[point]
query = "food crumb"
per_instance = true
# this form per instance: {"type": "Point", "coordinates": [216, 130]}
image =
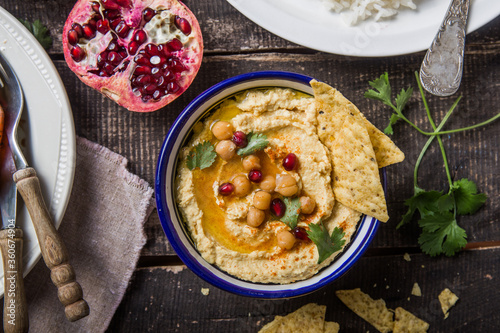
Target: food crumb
{"type": "Point", "coordinates": [416, 291]}
{"type": "Point", "coordinates": [406, 257]}
{"type": "Point", "coordinates": [205, 291]}
{"type": "Point", "coordinates": [447, 300]}
{"type": "Point", "coordinates": [387, 287]}
{"type": "Point", "coordinates": [423, 266]}
{"type": "Point", "coordinates": [488, 276]}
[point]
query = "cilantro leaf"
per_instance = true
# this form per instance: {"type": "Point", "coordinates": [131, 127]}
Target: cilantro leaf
{"type": "Point", "coordinates": [423, 201]}
{"type": "Point", "coordinates": [255, 142]}
{"type": "Point", "coordinates": [291, 217]}
{"type": "Point", "coordinates": [441, 234]}
{"type": "Point", "coordinates": [326, 244]}
{"type": "Point", "coordinates": [383, 89]}
{"type": "Point", "coordinates": [393, 120]}
{"type": "Point", "coordinates": [402, 98]}
{"type": "Point", "coordinates": [40, 31]}
{"type": "Point", "coordinates": [202, 156]}
{"type": "Point", "coordinates": [466, 197]}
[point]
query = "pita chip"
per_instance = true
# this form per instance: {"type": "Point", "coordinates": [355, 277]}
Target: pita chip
{"type": "Point", "coordinates": [406, 322]}
{"type": "Point", "coordinates": [356, 178]}
{"type": "Point", "coordinates": [373, 311]}
{"type": "Point", "coordinates": [334, 107]}
{"type": "Point", "coordinates": [308, 319]}
{"type": "Point", "coordinates": [447, 300]}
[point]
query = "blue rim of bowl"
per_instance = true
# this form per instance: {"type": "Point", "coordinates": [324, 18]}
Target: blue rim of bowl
{"type": "Point", "coordinates": [168, 225]}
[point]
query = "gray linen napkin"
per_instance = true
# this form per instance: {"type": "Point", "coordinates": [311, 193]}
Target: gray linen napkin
{"type": "Point", "coordinates": [103, 231]}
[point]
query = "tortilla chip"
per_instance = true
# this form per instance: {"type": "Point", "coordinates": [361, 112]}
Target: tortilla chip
{"type": "Point", "coordinates": [356, 179]}
{"type": "Point", "coordinates": [309, 318]}
{"type": "Point", "coordinates": [331, 327]}
{"type": "Point", "coordinates": [407, 322]}
{"type": "Point", "coordinates": [447, 300]}
{"type": "Point", "coordinates": [334, 107]}
{"type": "Point", "coordinates": [374, 312]}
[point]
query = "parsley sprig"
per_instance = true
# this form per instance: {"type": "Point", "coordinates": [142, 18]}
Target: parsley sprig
{"type": "Point", "coordinates": [202, 156]}
{"type": "Point", "coordinates": [40, 31]}
{"type": "Point", "coordinates": [326, 244]}
{"type": "Point", "coordinates": [438, 211]}
{"type": "Point", "coordinates": [256, 141]}
{"type": "Point", "coordinates": [291, 217]}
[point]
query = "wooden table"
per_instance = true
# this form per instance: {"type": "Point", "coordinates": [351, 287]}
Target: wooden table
{"type": "Point", "coordinates": [165, 296]}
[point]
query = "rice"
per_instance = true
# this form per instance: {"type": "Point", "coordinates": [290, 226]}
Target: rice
{"type": "Point", "coordinates": [354, 11]}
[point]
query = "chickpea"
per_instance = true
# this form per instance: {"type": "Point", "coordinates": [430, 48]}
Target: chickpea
{"type": "Point", "coordinates": [262, 200]}
{"type": "Point", "coordinates": [285, 239]}
{"type": "Point", "coordinates": [251, 162]}
{"type": "Point", "coordinates": [268, 183]}
{"type": "Point", "coordinates": [223, 130]}
{"type": "Point", "coordinates": [286, 185]}
{"type": "Point", "coordinates": [225, 149]}
{"type": "Point", "coordinates": [255, 217]}
{"type": "Point", "coordinates": [307, 205]}
{"type": "Point", "coordinates": [242, 185]}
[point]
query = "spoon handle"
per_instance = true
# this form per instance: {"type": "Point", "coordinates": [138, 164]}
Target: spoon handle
{"type": "Point", "coordinates": [53, 249]}
{"type": "Point", "coordinates": [441, 70]}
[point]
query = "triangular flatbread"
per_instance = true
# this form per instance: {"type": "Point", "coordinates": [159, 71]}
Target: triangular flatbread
{"type": "Point", "coordinates": [334, 107]}
{"type": "Point", "coordinates": [356, 179]}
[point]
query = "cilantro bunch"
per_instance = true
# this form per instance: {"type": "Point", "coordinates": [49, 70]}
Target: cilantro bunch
{"type": "Point", "coordinates": [438, 210]}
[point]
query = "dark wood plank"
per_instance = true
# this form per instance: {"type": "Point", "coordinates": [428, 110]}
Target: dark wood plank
{"type": "Point", "coordinates": [224, 28]}
{"type": "Point", "coordinates": [169, 299]}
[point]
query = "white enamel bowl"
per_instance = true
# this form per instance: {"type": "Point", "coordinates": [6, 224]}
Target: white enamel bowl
{"type": "Point", "coordinates": [171, 220]}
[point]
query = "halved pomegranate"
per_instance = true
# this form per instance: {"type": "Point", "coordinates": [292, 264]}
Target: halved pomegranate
{"type": "Point", "coordinates": [140, 53]}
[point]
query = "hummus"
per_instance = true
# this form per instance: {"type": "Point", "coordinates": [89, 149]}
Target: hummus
{"type": "Point", "coordinates": [217, 223]}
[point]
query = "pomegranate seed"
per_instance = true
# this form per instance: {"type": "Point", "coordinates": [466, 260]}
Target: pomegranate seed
{"type": "Point", "coordinates": [78, 28]}
{"type": "Point", "coordinates": [150, 88]}
{"type": "Point", "coordinates": [146, 98]}
{"type": "Point", "coordinates": [133, 47]}
{"type": "Point", "coordinates": [111, 4]}
{"type": "Point", "coordinates": [168, 75]}
{"type": "Point", "coordinates": [290, 162]}
{"type": "Point", "coordinates": [114, 22]}
{"type": "Point", "coordinates": [123, 3]}
{"type": "Point", "coordinates": [175, 65]}
{"type": "Point", "coordinates": [101, 58]}
{"type": "Point", "coordinates": [278, 207]}
{"type": "Point", "coordinates": [144, 79]}
{"type": "Point", "coordinates": [96, 6]}
{"type": "Point", "coordinates": [93, 21]}
{"type": "Point", "coordinates": [102, 26]}
{"type": "Point", "coordinates": [158, 94]}
{"type": "Point", "coordinates": [140, 36]}
{"type": "Point", "coordinates": [109, 68]}
{"type": "Point", "coordinates": [72, 37]}
{"type": "Point", "coordinates": [142, 70]}
{"type": "Point", "coordinates": [155, 60]}
{"type": "Point", "coordinates": [141, 59]}
{"type": "Point", "coordinates": [300, 233]}
{"type": "Point", "coordinates": [255, 175]}
{"type": "Point", "coordinates": [172, 87]}
{"type": "Point", "coordinates": [148, 14]}
{"type": "Point", "coordinates": [183, 25]}
{"type": "Point", "coordinates": [114, 58]}
{"type": "Point", "coordinates": [122, 29]}
{"type": "Point", "coordinates": [111, 13]}
{"type": "Point", "coordinates": [161, 81]}
{"type": "Point", "coordinates": [77, 53]}
{"type": "Point", "coordinates": [112, 46]}
{"type": "Point", "coordinates": [123, 53]}
{"type": "Point", "coordinates": [174, 45]}
{"type": "Point", "coordinates": [152, 49]}
{"type": "Point", "coordinates": [240, 139]}
{"type": "Point", "coordinates": [226, 189]}
{"type": "Point", "coordinates": [156, 71]}
{"type": "Point", "coordinates": [88, 31]}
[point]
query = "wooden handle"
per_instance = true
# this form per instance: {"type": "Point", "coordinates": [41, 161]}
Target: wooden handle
{"type": "Point", "coordinates": [53, 250]}
{"type": "Point", "coordinates": [15, 309]}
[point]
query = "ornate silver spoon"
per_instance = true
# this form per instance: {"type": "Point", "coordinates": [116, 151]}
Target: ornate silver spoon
{"type": "Point", "coordinates": [441, 70]}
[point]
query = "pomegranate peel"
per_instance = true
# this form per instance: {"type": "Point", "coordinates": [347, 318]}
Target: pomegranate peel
{"type": "Point", "coordinates": [141, 54]}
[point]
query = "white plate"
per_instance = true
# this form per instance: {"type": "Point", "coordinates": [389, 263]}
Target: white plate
{"type": "Point", "coordinates": [308, 23]}
{"type": "Point", "coordinates": [47, 130]}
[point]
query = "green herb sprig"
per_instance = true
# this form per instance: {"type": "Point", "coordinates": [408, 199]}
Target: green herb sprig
{"type": "Point", "coordinates": [326, 244]}
{"type": "Point", "coordinates": [202, 156]}
{"type": "Point", "coordinates": [255, 142]}
{"type": "Point", "coordinates": [40, 31]}
{"type": "Point", "coordinates": [438, 211]}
